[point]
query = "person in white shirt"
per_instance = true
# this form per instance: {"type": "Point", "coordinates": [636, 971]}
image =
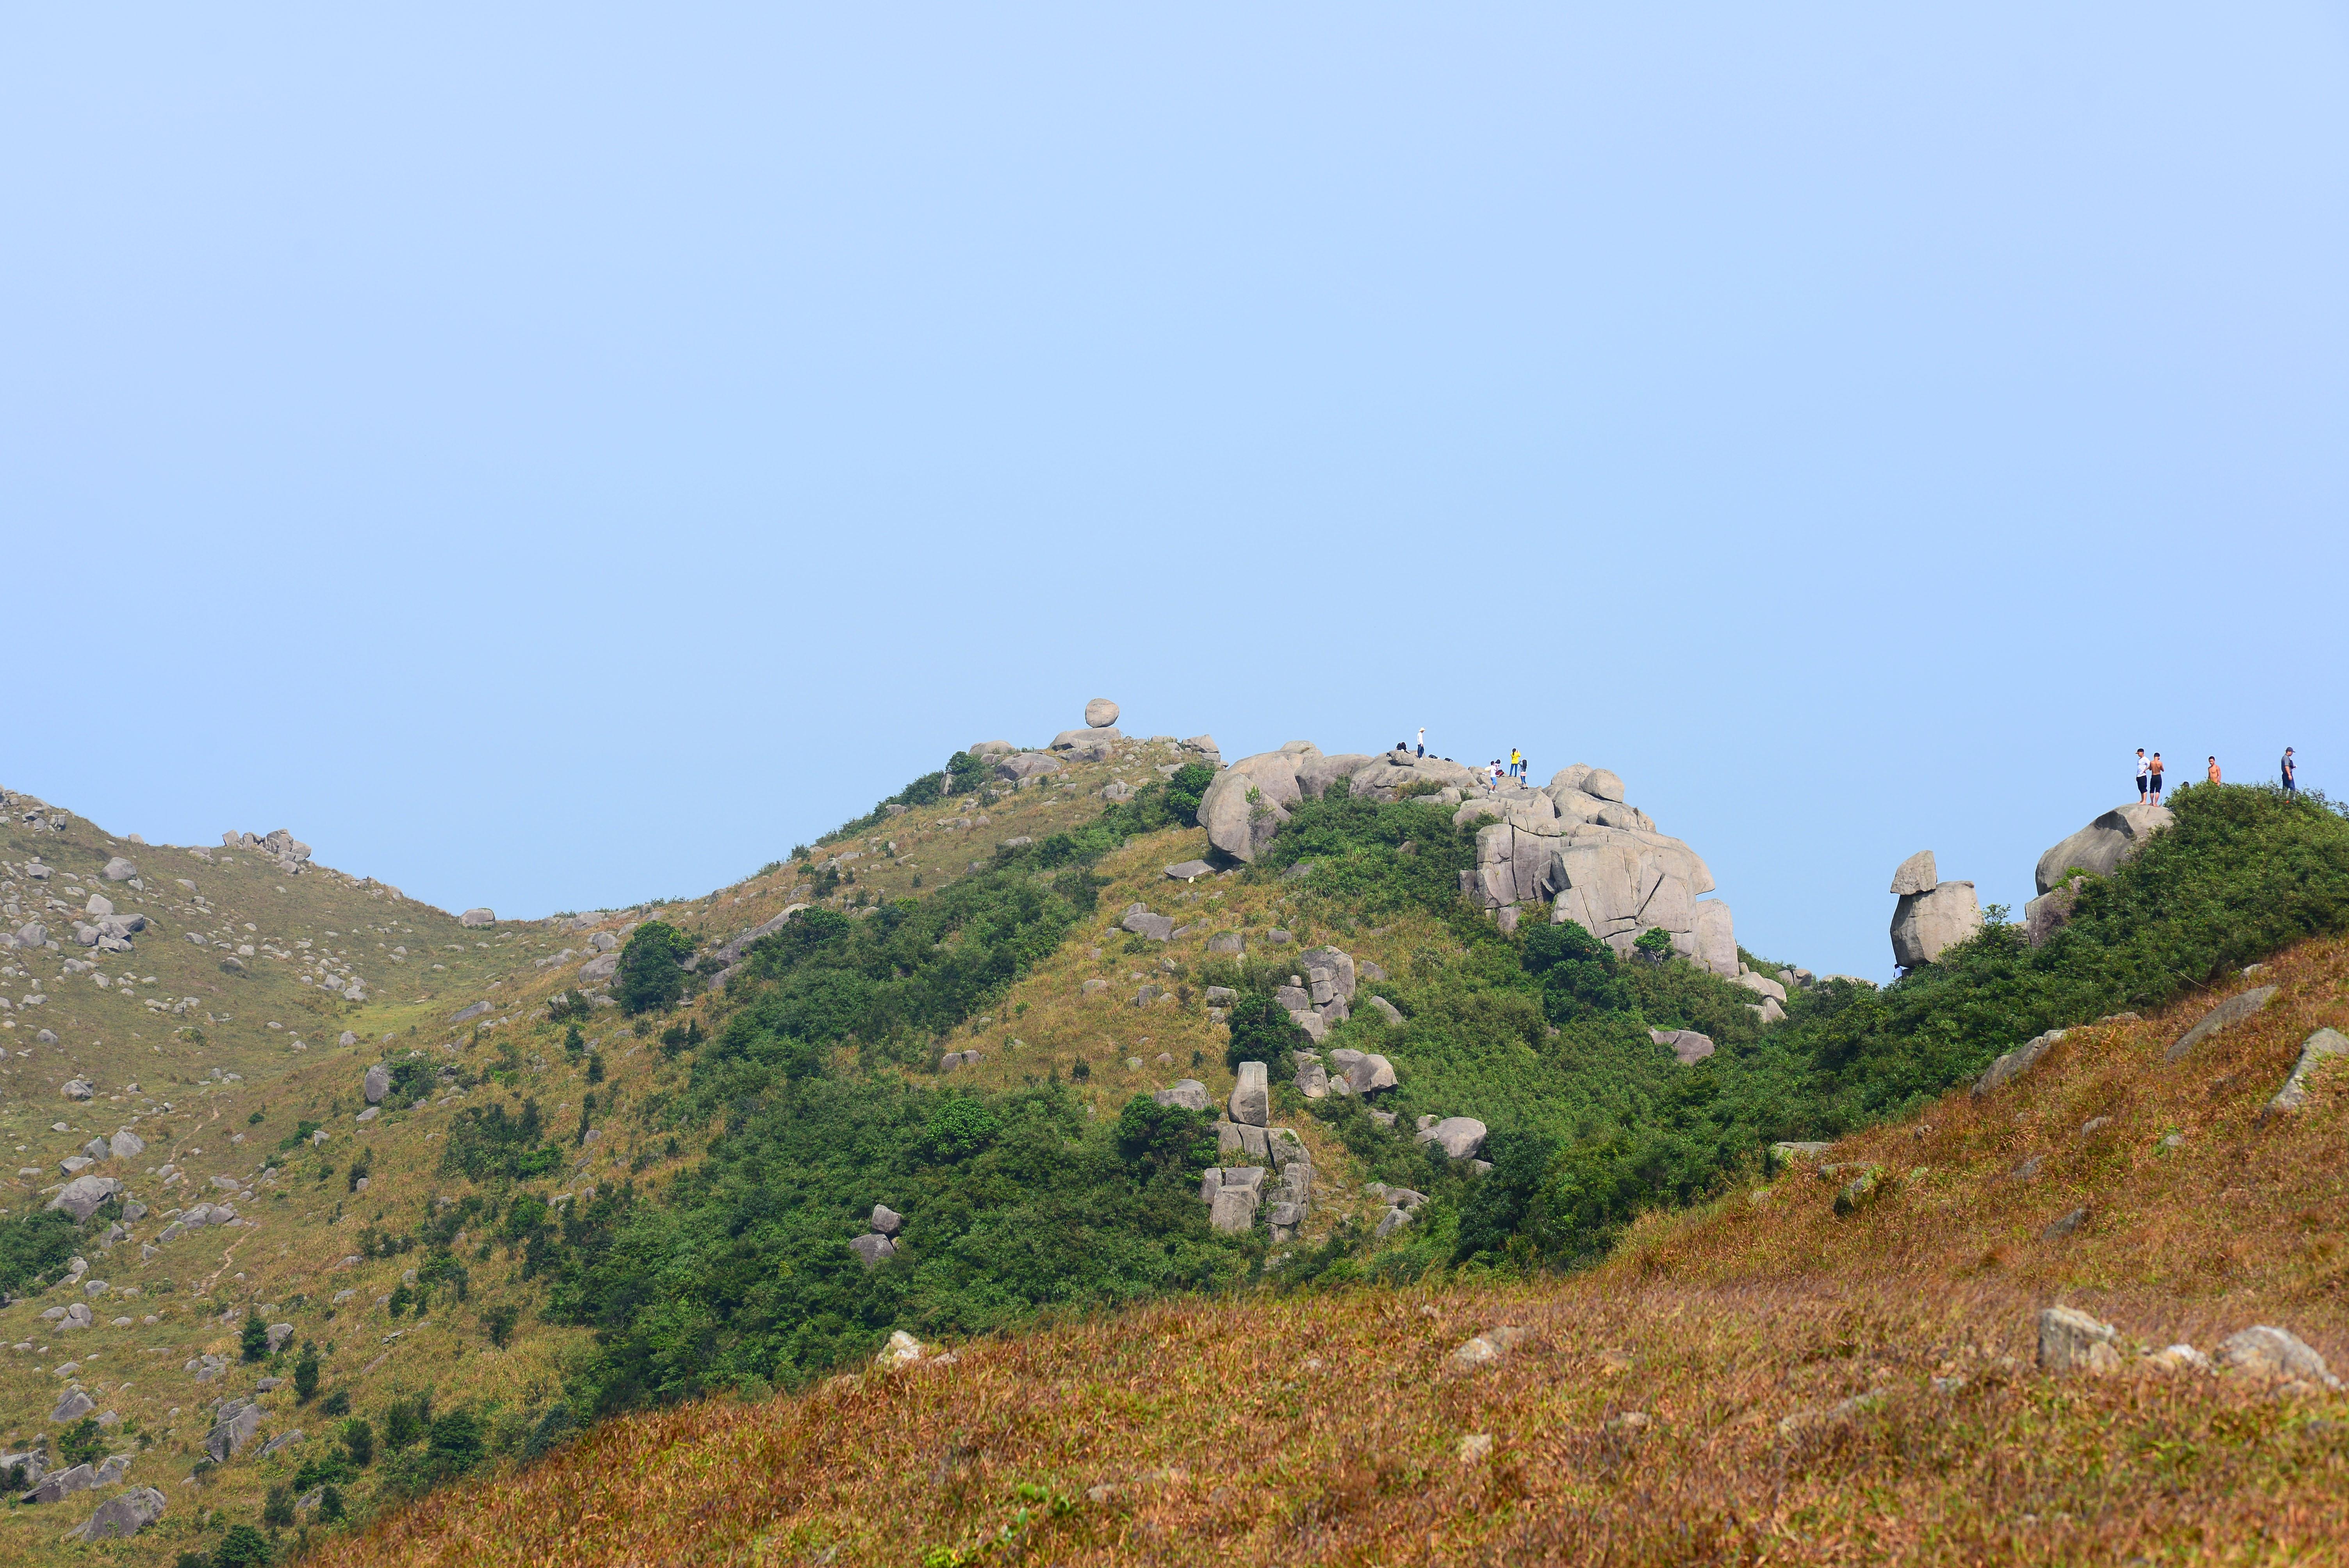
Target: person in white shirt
{"type": "Point", "coordinates": [2143, 779]}
{"type": "Point", "coordinates": [1423, 742]}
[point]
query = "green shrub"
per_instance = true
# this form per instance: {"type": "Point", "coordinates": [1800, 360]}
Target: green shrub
{"type": "Point", "coordinates": [1262, 1031]}
{"type": "Point", "coordinates": [358, 1441]}
{"type": "Point", "coordinates": [652, 975]}
{"type": "Point", "coordinates": [306, 1374]}
{"type": "Point", "coordinates": [252, 1341]}
{"type": "Point", "coordinates": [1186, 790]}
{"type": "Point", "coordinates": [83, 1443]}
{"type": "Point", "coordinates": [34, 1246]}
{"type": "Point", "coordinates": [242, 1547]}
{"type": "Point", "coordinates": [499, 1323]}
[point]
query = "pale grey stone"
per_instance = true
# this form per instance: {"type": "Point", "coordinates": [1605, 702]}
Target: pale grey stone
{"type": "Point", "coordinates": [1022, 765]}
{"type": "Point", "coordinates": [376, 1084]}
{"type": "Point", "coordinates": [1190, 871]}
{"type": "Point", "coordinates": [1251, 1101]}
{"type": "Point", "coordinates": [2073, 1342]}
{"type": "Point", "coordinates": [1371, 1073]}
{"type": "Point", "coordinates": [1319, 773]}
{"type": "Point", "coordinates": [1927, 924]}
{"type": "Point", "coordinates": [2275, 1354]}
{"type": "Point", "coordinates": [119, 869]}
{"type": "Point", "coordinates": [1190, 1094]}
{"type": "Point", "coordinates": [873, 1248]}
{"type": "Point", "coordinates": [1915, 874]}
{"type": "Point", "coordinates": [2313, 1052]}
{"type": "Point", "coordinates": [2015, 1063]}
{"type": "Point", "coordinates": [1686, 1045]}
{"type": "Point", "coordinates": [2225, 1016]}
{"type": "Point", "coordinates": [73, 1407]}
{"type": "Point", "coordinates": [81, 1196]}
{"type": "Point", "coordinates": [120, 1518]}
{"type": "Point", "coordinates": [1386, 1009]}
{"type": "Point", "coordinates": [1460, 1137]}
{"type": "Point", "coordinates": [1716, 942]}
{"type": "Point", "coordinates": [1391, 1221]}
{"type": "Point", "coordinates": [237, 1424]}
{"type": "Point", "coordinates": [1141, 922]}
{"type": "Point", "coordinates": [1101, 713]}
{"type": "Point", "coordinates": [478, 917]}
{"type": "Point", "coordinates": [2099, 848]}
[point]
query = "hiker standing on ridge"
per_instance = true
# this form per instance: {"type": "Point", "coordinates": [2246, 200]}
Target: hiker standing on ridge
{"type": "Point", "coordinates": [2142, 777]}
{"type": "Point", "coordinates": [1423, 742]}
{"type": "Point", "coordinates": [2213, 774]}
{"type": "Point", "coordinates": [2290, 785]}
{"type": "Point", "coordinates": [2153, 778]}
{"type": "Point", "coordinates": [1517, 760]}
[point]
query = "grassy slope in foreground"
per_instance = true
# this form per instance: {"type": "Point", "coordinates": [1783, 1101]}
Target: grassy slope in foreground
{"type": "Point", "coordinates": [1330, 1427]}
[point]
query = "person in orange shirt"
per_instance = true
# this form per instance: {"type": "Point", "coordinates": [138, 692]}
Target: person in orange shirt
{"type": "Point", "coordinates": [2214, 771]}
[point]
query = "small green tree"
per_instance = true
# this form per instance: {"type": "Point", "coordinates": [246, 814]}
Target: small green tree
{"type": "Point", "coordinates": [330, 1502]}
{"type": "Point", "coordinates": [652, 975]}
{"type": "Point", "coordinates": [574, 1044]}
{"type": "Point", "coordinates": [405, 1421]}
{"type": "Point", "coordinates": [400, 1297]}
{"type": "Point", "coordinates": [277, 1508]}
{"type": "Point", "coordinates": [358, 1441]}
{"type": "Point", "coordinates": [253, 1342]}
{"type": "Point", "coordinates": [83, 1443]}
{"type": "Point", "coordinates": [306, 1374]}
{"type": "Point", "coordinates": [1655, 944]}
{"type": "Point", "coordinates": [499, 1321]}
{"type": "Point", "coordinates": [594, 1066]}
{"type": "Point", "coordinates": [242, 1547]}
{"type": "Point", "coordinates": [1185, 790]}
{"type": "Point", "coordinates": [1262, 1031]}
{"type": "Point", "coordinates": [960, 1129]}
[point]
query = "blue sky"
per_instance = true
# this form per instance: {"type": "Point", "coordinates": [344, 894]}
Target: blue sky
{"type": "Point", "coordinates": [551, 456]}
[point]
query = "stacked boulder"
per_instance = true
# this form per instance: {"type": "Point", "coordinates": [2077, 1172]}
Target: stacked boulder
{"type": "Point", "coordinates": [1234, 1192]}
{"type": "Point", "coordinates": [1575, 844]}
{"type": "Point", "coordinates": [1933, 915]}
{"type": "Point", "coordinates": [878, 1244]}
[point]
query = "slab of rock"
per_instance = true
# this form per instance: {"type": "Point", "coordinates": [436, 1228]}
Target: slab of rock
{"type": "Point", "coordinates": [466, 1015]}
{"type": "Point", "coordinates": [1086, 745]}
{"type": "Point", "coordinates": [1190, 1094]}
{"type": "Point", "coordinates": [119, 869]}
{"type": "Point", "coordinates": [1317, 776]}
{"type": "Point", "coordinates": [2225, 1016]}
{"type": "Point", "coordinates": [1368, 1073]}
{"type": "Point", "coordinates": [1915, 874]}
{"type": "Point", "coordinates": [1927, 924]}
{"type": "Point", "coordinates": [1686, 1045]}
{"type": "Point", "coordinates": [237, 1423]}
{"type": "Point", "coordinates": [1460, 1137]}
{"type": "Point", "coordinates": [2073, 1342]}
{"type": "Point", "coordinates": [1022, 765]}
{"type": "Point", "coordinates": [72, 1408]}
{"type": "Point", "coordinates": [120, 1518]}
{"type": "Point", "coordinates": [73, 1088]}
{"type": "Point", "coordinates": [2015, 1063]}
{"type": "Point", "coordinates": [873, 1248]}
{"type": "Point", "coordinates": [1141, 922]}
{"type": "Point", "coordinates": [1386, 1009]}
{"type": "Point", "coordinates": [2313, 1052]}
{"type": "Point", "coordinates": [1101, 713]}
{"type": "Point", "coordinates": [2276, 1355]}
{"type": "Point", "coordinates": [478, 917]}
{"type": "Point", "coordinates": [81, 1196]}
{"type": "Point", "coordinates": [1251, 1101]}
{"type": "Point", "coordinates": [2099, 848]}
{"type": "Point", "coordinates": [603, 966]}
{"type": "Point", "coordinates": [986, 749]}
{"type": "Point", "coordinates": [1190, 871]}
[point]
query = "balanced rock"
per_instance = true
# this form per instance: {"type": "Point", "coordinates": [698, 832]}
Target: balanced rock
{"type": "Point", "coordinates": [1927, 924]}
{"type": "Point", "coordinates": [1101, 713]}
{"type": "Point", "coordinates": [886, 1220]}
{"type": "Point", "coordinates": [1915, 874]}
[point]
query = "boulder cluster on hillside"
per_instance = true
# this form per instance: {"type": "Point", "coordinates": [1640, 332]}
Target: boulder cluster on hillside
{"type": "Point", "coordinates": [1575, 844]}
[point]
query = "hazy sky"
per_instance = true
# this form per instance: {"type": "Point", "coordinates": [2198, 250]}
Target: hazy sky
{"type": "Point", "coordinates": [550, 456]}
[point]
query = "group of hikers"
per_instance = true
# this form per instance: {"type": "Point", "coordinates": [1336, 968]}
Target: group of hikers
{"type": "Point", "coordinates": [2149, 768]}
{"type": "Point", "coordinates": [1517, 769]}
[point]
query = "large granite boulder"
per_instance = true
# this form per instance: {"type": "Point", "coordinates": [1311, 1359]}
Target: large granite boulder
{"type": "Point", "coordinates": [1460, 1137]}
{"type": "Point", "coordinates": [1251, 1101]}
{"type": "Point", "coordinates": [1022, 765]}
{"type": "Point", "coordinates": [1240, 814]}
{"type": "Point", "coordinates": [1915, 874]}
{"type": "Point", "coordinates": [1101, 713]}
{"type": "Point", "coordinates": [1087, 745]}
{"type": "Point", "coordinates": [1319, 774]}
{"type": "Point", "coordinates": [234, 1428]}
{"type": "Point", "coordinates": [1927, 924]}
{"type": "Point", "coordinates": [376, 1084]}
{"type": "Point", "coordinates": [1190, 1094]}
{"type": "Point", "coordinates": [2099, 848]}
{"type": "Point", "coordinates": [120, 1518]}
{"type": "Point", "coordinates": [1716, 941]}
{"type": "Point", "coordinates": [81, 1196]}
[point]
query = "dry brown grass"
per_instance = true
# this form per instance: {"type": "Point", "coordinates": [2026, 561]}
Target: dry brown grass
{"type": "Point", "coordinates": [1326, 1428]}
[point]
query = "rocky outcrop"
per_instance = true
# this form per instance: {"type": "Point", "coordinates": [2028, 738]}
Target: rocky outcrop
{"type": "Point", "coordinates": [2015, 1063]}
{"type": "Point", "coordinates": [81, 1196]}
{"type": "Point", "coordinates": [1460, 1137]}
{"type": "Point", "coordinates": [1687, 1046]}
{"type": "Point", "coordinates": [2099, 848]}
{"type": "Point", "coordinates": [2048, 913]}
{"type": "Point", "coordinates": [1022, 765]}
{"type": "Point", "coordinates": [2317, 1049]}
{"type": "Point", "coordinates": [1251, 1101]}
{"type": "Point", "coordinates": [232, 1429]}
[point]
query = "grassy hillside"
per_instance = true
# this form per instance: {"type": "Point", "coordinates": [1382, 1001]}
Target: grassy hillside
{"type": "Point", "coordinates": [1763, 1379]}
{"type": "Point", "coordinates": [571, 1210]}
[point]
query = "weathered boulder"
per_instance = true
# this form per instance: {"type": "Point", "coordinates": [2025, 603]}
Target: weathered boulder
{"type": "Point", "coordinates": [1087, 745]}
{"type": "Point", "coordinates": [1190, 871]}
{"type": "Point", "coordinates": [478, 917]}
{"type": "Point", "coordinates": [1460, 1137]}
{"type": "Point", "coordinates": [1368, 1073]}
{"type": "Point", "coordinates": [986, 749]}
{"type": "Point", "coordinates": [1101, 713]}
{"type": "Point", "coordinates": [1761, 986]}
{"type": "Point", "coordinates": [1329, 975]}
{"type": "Point", "coordinates": [873, 1248]}
{"type": "Point", "coordinates": [1317, 774]}
{"type": "Point", "coordinates": [1141, 922]}
{"type": "Point", "coordinates": [1251, 1101]}
{"type": "Point", "coordinates": [81, 1196]}
{"type": "Point", "coordinates": [1915, 874]}
{"type": "Point", "coordinates": [376, 1084]}
{"type": "Point", "coordinates": [1386, 1009]}
{"type": "Point", "coordinates": [1022, 765]}
{"type": "Point", "coordinates": [2099, 848]}
{"type": "Point", "coordinates": [1239, 814]}
{"type": "Point", "coordinates": [120, 1518]}
{"type": "Point", "coordinates": [234, 1428]}
{"type": "Point", "coordinates": [2225, 1016]}
{"type": "Point", "coordinates": [2073, 1342]}
{"type": "Point", "coordinates": [2015, 1063]}
{"type": "Point", "coordinates": [885, 1220]}
{"type": "Point", "coordinates": [2043, 917]}
{"type": "Point", "coordinates": [1927, 924]}
{"type": "Point", "coordinates": [603, 966]}
{"type": "Point", "coordinates": [1716, 939]}
{"type": "Point", "coordinates": [72, 1407]}
{"type": "Point", "coordinates": [1190, 1094]}
{"type": "Point", "coordinates": [2276, 1355]}
{"type": "Point", "coordinates": [119, 869]}
{"type": "Point", "coordinates": [1686, 1045]}
{"type": "Point", "coordinates": [2313, 1052]}
{"type": "Point", "coordinates": [73, 1088]}
{"type": "Point", "coordinates": [125, 1145]}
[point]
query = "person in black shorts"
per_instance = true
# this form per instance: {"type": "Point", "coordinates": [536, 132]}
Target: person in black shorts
{"type": "Point", "coordinates": [2142, 777]}
{"type": "Point", "coordinates": [2153, 779]}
